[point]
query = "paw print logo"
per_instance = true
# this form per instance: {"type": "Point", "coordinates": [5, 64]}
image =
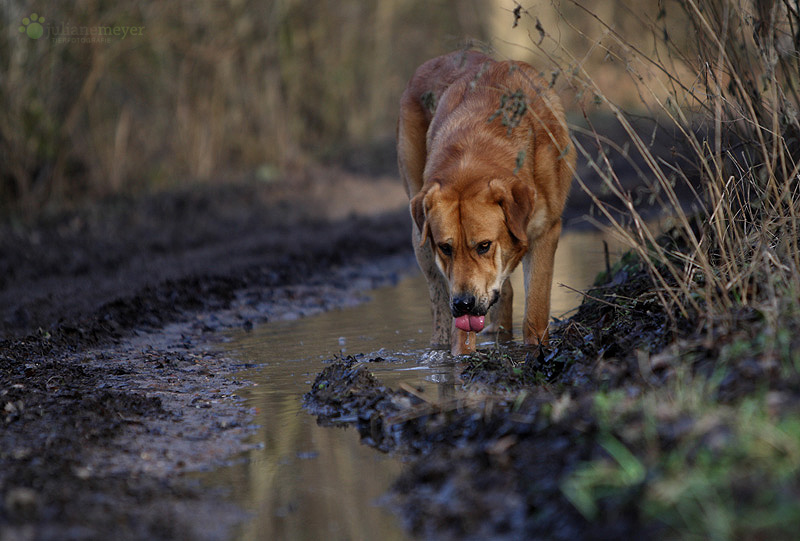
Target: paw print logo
{"type": "Point", "coordinates": [32, 26]}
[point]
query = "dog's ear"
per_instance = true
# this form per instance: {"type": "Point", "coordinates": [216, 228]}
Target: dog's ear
{"type": "Point", "coordinates": [420, 205]}
{"type": "Point", "coordinates": [517, 199]}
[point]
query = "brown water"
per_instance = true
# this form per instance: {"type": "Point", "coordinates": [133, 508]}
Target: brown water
{"type": "Point", "coordinates": [309, 482]}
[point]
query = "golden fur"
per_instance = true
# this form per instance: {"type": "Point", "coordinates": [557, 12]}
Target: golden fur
{"type": "Point", "coordinates": [485, 155]}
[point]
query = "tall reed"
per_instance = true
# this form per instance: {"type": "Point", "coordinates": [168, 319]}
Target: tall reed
{"type": "Point", "coordinates": [729, 87]}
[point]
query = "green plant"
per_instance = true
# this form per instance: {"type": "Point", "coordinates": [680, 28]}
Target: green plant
{"type": "Point", "coordinates": [700, 469]}
{"type": "Point", "coordinates": [729, 88]}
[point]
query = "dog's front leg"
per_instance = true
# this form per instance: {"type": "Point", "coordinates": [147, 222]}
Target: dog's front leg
{"type": "Point", "coordinates": [500, 315]}
{"type": "Point", "coordinates": [538, 268]}
{"type": "Point", "coordinates": [437, 287]}
{"type": "Point", "coordinates": [463, 342]}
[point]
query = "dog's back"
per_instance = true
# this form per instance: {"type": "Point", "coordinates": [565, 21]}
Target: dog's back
{"type": "Point", "coordinates": [419, 103]}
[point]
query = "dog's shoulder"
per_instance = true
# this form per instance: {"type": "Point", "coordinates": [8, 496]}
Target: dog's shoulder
{"type": "Point", "coordinates": [432, 79]}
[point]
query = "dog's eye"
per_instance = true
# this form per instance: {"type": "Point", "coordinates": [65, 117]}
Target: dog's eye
{"type": "Point", "coordinates": [483, 247]}
{"type": "Point", "coordinates": [446, 249]}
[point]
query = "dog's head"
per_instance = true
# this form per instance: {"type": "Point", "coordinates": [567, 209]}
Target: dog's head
{"type": "Point", "coordinates": [478, 236]}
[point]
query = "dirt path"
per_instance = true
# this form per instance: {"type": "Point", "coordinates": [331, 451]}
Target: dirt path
{"type": "Point", "coordinates": [111, 389]}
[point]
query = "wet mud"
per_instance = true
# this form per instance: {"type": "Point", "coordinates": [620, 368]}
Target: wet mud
{"type": "Point", "coordinates": [490, 463]}
{"type": "Point", "coordinates": [497, 462]}
{"type": "Point", "coordinates": [113, 389]}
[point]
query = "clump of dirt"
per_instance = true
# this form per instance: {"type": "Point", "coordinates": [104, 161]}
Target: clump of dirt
{"type": "Point", "coordinates": [344, 387]}
{"type": "Point", "coordinates": [485, 466]}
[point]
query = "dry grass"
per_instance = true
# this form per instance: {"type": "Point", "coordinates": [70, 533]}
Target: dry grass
{"type": "Point", "coordinates": [208, 90]}
{"type": "Point", "coordinates": [731, 93]}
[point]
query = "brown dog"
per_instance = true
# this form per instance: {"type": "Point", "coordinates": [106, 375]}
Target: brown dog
{"type": "Point", "coordinates": [484, 152]}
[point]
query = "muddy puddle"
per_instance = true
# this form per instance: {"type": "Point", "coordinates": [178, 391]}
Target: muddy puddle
{"type": "Point", "coordinates": [310, 482]}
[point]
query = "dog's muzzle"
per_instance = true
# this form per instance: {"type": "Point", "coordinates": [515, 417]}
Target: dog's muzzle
{"type": "Point", "coordinates": [467, 304]}
{"type": "Point", "coordinates": [464, 305]}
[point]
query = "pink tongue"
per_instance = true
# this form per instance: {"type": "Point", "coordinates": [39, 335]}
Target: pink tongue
{"type": "Point", "coordinates": [470, 323]}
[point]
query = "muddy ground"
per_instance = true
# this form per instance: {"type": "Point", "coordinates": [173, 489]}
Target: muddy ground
{"type": "Point", "coordinates": [599, 435]}
{"type": "Point", "coordinates": [112, 391]}
{"type": "Point", "coordinates": [491, 464]}
{"type": "Point", "coordinates": [634, 422]}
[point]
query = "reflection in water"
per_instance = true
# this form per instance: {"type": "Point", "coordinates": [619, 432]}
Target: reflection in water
{"type": "Point", "coordinates": [308, 482]}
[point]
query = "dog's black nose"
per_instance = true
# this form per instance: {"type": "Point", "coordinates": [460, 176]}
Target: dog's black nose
{"type": "Point", "coordinates": [463, 304]}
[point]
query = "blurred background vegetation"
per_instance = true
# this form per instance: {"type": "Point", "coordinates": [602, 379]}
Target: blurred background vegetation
{"type": "Point", "coordinates": [215, 90]}
{"type": "Point", "coordinates": [218, 90]}
{"type": "Point", "coordinates": [210, 90]}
